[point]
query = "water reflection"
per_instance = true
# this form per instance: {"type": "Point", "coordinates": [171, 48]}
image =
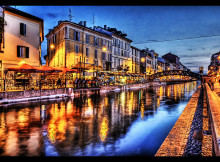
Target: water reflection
{"type": "Point", "coordinates": [126, 123]}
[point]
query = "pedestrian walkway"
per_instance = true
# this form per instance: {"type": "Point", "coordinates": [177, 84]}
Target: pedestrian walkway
{"type": "Point", "coordinates": [217, 88]}
{"type": "Point", "coordinates": [213, 101]}
{"type": "Point", "coordinates": [176, 141]}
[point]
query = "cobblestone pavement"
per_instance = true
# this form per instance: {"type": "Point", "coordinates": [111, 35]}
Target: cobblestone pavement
{"type": "Point", "coordinates": [200, 139]}
{"type": "Point", "coordinates": [217, 88]}
{"type": "Point", "coordinates": [194, 143]}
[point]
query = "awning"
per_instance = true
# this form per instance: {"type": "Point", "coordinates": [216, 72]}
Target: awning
{"type": "Point", "coordinates": [67, 70]}
{"type": "Point", "coordinates": [88, 66]}
{"type": "Point", "coordinates": [24, 67]}
{"type": "Point", "coordinates": [48, 69]}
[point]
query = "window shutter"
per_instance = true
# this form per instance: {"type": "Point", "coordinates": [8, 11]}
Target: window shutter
{"type": "Point", "coordinates": [24, 28]}
{"type": "Point", "coordinates": [78, 36]}
{"type": "Point", "coordinates": [21, 28]}
{"type": "Point", "coordinates": [27, 52]}
{"type": "Point", "coordinates": [74, 37]}
{"type": "Point", "coordinates": [18, 51]}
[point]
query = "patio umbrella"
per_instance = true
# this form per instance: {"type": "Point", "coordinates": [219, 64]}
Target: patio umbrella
{"type": "Point", "coordinates": [67, 70]}
{"type": "Point", "coordinates": [25, 68]}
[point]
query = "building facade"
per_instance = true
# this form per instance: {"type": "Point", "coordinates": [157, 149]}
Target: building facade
{"type": "Point", "coordinates": [146, 64]}
{"type": "Point", "coordinates": [21, 38]}
{"type": "Point", "coordinates": [76, 46]}
{"type": "Point", "coordinates": [135, 58]}
{"type": "Point", "coordinates": [161, 64]}
{"type": "Point", "coordinates": [173, 62]}
{"type": "Point", "coordinates": [121, 54]}
{"type": "Point", "coordinates": [214, 66]}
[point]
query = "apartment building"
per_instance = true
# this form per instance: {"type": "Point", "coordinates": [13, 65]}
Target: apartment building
{"type": "Point", "coordinates": [21, 39]}
{"type": "Point", "coordinates": [75, 45]}
{"type": "Point", "coordinates": [214, 66]}
{"type": "Point", "coordinates": [121, 57]}
{"type": "Point", "coordinates": [161, 64]}
{"type": "Point", "coordinates": [135, 57]}
{"type": "Point", "coordinates": [173, 62]}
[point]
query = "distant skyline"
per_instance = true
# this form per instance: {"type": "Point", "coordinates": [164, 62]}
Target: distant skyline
{"type": "Point", "coordinates": [193, 32]}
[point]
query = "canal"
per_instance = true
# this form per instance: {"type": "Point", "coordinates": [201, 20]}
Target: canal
{"type": "Point", "coordinates": [126, 123]}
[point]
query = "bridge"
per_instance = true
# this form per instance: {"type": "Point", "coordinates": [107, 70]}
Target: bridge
{"type": "Point", "coordinates": [174, 72]}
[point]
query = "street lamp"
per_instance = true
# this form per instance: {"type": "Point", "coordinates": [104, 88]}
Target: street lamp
{"type": "Point", "coordinates": [52, 46]}
{"type": "Point", "coordinates": [104, 49]}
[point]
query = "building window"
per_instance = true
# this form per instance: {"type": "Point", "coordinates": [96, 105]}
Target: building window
{"type": "Point", "coordinates": [87, 38]}
{"type": "Point", "coordinates": [103, 65]}
{"type": "Point", "coordinates": [87, 60]}
{"type": "Point", "coordinates": [110, 57]}
{"type": "Point", "coordinates": [103, 56]}
{"type": "Point", "coordinates": [95, 62]}
{"type": "Point", "coordinates": [76, 49]}
{"type": "Point", "coordinates": [87, 52]}
{"type": "Point", "coordinates": [22, 29]}
{"type": "Point", "coordinates": [96, 53]}
{"type": "Point", "coordinates": [76, 35]}
{"type": "Point", "coordinates": [96, 41]}
{"type": "Point", "coordinates": [114, 62]}
{"type": "Point", "coordinates": [22, 51]}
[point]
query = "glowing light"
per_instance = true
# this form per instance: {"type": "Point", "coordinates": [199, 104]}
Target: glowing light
{"type": "Point", "coordinates": [104, 49]}
{"type": "Point", "coordinates": [52, 132]}
{"type": "Point", "coordinates": [52, 46]}
{"type": "Point", "coordinates": [22, 62]}
{"type": "Point", "coordinates": [104, 129]}
{"type": "Point", "coordinates": [142, 59]}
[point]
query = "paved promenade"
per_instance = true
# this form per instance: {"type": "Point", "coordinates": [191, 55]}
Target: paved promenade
{"type": "Point", "coordinates": [203, 112]}
{"type": "Point", "coordinates": [213, 101]}
{"type": "Point", "coordinates": [176, 141]}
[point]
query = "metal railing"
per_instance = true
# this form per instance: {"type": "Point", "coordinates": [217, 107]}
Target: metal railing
{"type": "Point", "coordinates": [36, 84]}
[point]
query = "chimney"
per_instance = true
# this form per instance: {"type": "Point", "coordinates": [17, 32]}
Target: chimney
{"type": "Point", "coordinates": [105, 27]}
{"type": "Point", "coordinates": [81, 23]}
{"type": "Point", "coordinates": [60, 21]}
{"type": "Point", "coordinates": [85, 23]}
{"type": "Point", "coordinates": [94, 27]}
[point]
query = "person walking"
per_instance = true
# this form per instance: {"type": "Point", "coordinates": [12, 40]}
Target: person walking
{"type": "Point", "coordinates": [58, 83]}
{"type": "Point", "coordinates": [76, 82]}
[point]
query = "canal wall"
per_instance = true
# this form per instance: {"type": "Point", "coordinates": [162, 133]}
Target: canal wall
{"type": "Point", "coordinates": [28, 95]}
{"type": "Point", "coordinates": [213, 104]}
{"type": "Point", "coordinates": [176, 141]}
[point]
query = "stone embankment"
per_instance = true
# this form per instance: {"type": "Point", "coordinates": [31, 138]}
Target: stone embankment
{"type": "Point", "coordinates": [192, 134]}
{"type": "Point", "coordinates": [176, 141]}
{"type": "Point", "coordinates": [28, 95]}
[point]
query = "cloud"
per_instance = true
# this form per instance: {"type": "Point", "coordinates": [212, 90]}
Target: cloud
{"type": "Point", "coordinates": [189, 49]}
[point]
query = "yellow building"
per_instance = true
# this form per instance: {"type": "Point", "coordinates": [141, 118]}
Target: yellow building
{"type": "Point", "coordinates": [21, 39]}
{"type": "Point", "coordinates": [74, 45]}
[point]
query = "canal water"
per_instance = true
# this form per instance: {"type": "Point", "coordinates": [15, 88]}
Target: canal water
{"type": "Point", "coordinates": [126, 123]}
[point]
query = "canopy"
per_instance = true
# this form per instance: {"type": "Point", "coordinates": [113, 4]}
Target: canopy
{"type": "Point", "coordinates": [67, 70]}
{"type": "Point", "coordinates": [24, 67]}
{"type": "Point", "coordinates": [87, 66]}
{"type": "Point", "coordinates": [49, 69]}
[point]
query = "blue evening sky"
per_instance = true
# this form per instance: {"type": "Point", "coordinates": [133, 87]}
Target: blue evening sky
{"type": "Point", "coordinates": [149, 23]}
